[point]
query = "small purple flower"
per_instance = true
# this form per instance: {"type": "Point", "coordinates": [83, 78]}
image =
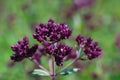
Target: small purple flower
{"type": "Point", "coordinates": [41, 49]}
{"type": "Point", "coordinates": [50, 49]}
{"type": "Point", "coordinates": [22, 50]}
{"type": "Point", "coordinates": [36, 56]}
{"type": "Point", "coordinates": [59, 51]}
{"type": "Point", "coordinates": [90, 48]}
{"type": "Point", "coordinates": [71, 56]}
{"type": "Point", "coordinates": [81, 40]}
{"type": "Point", "coordinates": [52, 32]}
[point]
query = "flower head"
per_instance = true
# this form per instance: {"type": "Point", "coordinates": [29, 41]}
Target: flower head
{"type": "Point", "coordinates": [22, 50]}
{"type": "Point", "coordinates": [59, 51]}
{"type": "Point", "coordinates": [52, 32]}
{"type": "Point", "coordinates": [90, 47]}
{"type": "Point", "coordinates": [81, 40]}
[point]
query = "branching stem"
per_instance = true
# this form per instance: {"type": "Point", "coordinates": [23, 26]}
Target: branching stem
{"type": "Point", "coordinates": [40, 66]}
{"type": "Point", "coordinates": [77, 58]}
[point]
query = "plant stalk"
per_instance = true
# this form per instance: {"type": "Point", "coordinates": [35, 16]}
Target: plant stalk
{"type": "Point", "coordinates": [52, 77]}
{"type": "Point", "coordinates": [40, 66]}
{"type": "Point", "coordinates": [52, 67]}
{"type": "Point", "coordinates": [77, 58]}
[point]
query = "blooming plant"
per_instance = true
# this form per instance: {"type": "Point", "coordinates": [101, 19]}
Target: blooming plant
{"type": "Point", "coordinates": [50, 36]}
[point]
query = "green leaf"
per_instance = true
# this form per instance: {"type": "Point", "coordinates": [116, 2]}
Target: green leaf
{"type": "Point", "coordinates": [69, 71]}
{"type": "Point", "coordinates": [83, 58]}
{"type": "Point", "coordinates": [40, 72]}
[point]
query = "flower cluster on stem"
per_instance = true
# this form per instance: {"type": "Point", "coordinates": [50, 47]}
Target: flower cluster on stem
{"type": "Point", "coordinates": [50, 36]}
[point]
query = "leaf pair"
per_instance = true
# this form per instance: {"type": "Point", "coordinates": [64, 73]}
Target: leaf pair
{"type": "Point", "coordinates": [41, 72]}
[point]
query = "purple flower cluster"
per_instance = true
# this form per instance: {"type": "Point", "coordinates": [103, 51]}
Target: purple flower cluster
{"type": "Point", "coordinates": [90, 47]}
{"type": "Point", "coordinates": [81, 40]}
{"type": "Point", "coordinates": [59, 51]}
{"type": "Point", "coordinates": [52, 32]}
{"type": "Point", "coordinates": [22, 50]}
{"type": "Point", "coordinates": [49, 35]}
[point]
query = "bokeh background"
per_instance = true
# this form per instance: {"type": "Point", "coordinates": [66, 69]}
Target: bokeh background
{"type": "Point", "coordinates": [97, 18]}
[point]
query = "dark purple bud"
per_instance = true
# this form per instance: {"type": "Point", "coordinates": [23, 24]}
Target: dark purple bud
{"type": "Point", "coordinates": [36, 56]}
{"type": "Point", "coordinates": [50, 49]}
{"type": "Point", "coordinates": [72, 56]}
{"type": "Point", "coordinates": [50, 21]}
{"type": "Point", "coordinates": [32, 50]}
{"type": "Point", "coordinates": [17, 57]}
{"type": "Point", "coordinates": [81, 40]}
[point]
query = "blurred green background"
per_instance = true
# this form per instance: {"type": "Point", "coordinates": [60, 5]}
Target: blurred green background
{"type": "Point", "coordinates": [19, 17]}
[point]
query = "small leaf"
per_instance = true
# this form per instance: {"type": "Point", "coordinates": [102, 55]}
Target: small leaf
{"type": "Point", "coordinates": [69, 71]}
{"type": "Point", "coordinates": [40, 72]}
{"type": "Point", "coordinates": [83, 58]}
{"type": "Point", "coordinates": [75, 69]}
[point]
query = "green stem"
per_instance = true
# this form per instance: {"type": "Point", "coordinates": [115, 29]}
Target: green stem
{"type": "Point", "coordinates": [52, 67]}
{"type": "Point", "coordinates": [40, 66]}
{"type": "Point", "coordinates": [77, 58]}
{"type": "Point", "coordinates": [52, 77]}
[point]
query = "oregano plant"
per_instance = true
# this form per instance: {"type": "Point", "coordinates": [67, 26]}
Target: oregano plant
{"type": "Point", "coordinates": [50, 35]}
